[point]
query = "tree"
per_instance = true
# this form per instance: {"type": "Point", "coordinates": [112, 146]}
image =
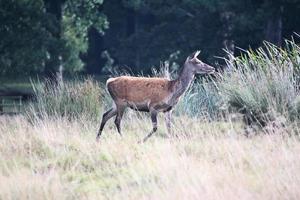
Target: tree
{"type": "Point", "coordinates": [26, 34]}
{"type": "Point", "coordinates": [142, 33]}
{"type": "Point", "coordinates": [74, 18]}
{"type": "Point", "coordinates": [279, 15]}
{"type": "Point", "coordinates": [40, 36]}
{"type": "Point", "coordinates": [254, 20]}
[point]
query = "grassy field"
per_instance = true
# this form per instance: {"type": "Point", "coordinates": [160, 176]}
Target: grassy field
{"type": "Point", "coordinates": [59, 159]}
{"type": "Point", "coordinates": [235, 137]}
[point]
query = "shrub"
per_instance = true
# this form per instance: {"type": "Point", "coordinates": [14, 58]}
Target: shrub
{"type": "Point", "coordinates": [262, 84]}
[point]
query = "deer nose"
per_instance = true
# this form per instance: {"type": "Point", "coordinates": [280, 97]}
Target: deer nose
{"type": "Point", "coordinates": [212, 69]}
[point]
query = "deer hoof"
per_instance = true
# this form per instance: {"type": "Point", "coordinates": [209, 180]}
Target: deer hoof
{"type": "Point", "coordinates": [97, 139]}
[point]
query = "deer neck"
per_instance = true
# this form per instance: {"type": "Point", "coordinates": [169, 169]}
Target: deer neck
{"type": "Point", "coordinates": [181, 84]}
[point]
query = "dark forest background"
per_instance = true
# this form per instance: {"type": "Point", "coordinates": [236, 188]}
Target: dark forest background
{"type": "Point", "coordinates": [94, 36]}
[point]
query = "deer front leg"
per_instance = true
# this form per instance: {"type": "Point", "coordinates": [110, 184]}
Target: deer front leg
{"type": "Point", "coordinates": [153, 114]}
{"type": "Point", "coordinates": [168, 120]}
{"type": "Point", "coordinates": [106, 116]}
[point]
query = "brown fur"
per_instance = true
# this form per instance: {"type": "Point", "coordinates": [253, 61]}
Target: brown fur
{"type": "Point", "coordinates": [139, 89]}
{"type": "Point", "coordinates": [152, 95]}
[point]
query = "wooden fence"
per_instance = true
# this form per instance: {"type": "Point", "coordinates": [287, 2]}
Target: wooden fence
{"type": "Point", "coordinates": [11, 104]}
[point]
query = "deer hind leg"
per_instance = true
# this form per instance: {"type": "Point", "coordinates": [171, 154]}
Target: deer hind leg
{"type": "Point", "coordinates": [106, 116]}
{"type": "Point", "coordinates": [120, 112]}
{"type": "Point", "coordinates": [153, 114]}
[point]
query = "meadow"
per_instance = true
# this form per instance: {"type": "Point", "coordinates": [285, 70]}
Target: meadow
{"type": "Point", "coordinates": [235, 137]}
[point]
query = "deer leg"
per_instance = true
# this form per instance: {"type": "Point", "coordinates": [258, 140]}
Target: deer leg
{"type": "Point", "coordinates": [120, 112]}
{"type": "Point", "coordinates": [106, 116]}
{"type": "Point", "coordinates": [168, 118]}
{"type": "Point", "coordinates": [153, 114]}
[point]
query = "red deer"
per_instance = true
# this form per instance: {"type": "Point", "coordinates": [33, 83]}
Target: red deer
{"type": "Point", "coordinates": [152, 95]}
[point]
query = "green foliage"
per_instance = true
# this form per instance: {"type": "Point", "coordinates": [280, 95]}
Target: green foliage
{"type": "Point", "coordinates": [78, 17]}
{"type": "Point", "coordinates": [25, 36]}
{"type": "Point", "coordinates": [33, 38]}
{"type": "Point", "coordinates": [144, 32]}
{"type": "Point", "coordinates": [72, 100]}
{"type": "Point", "coordinates": [40, 35]}
{"type": "Point", "coordinates": [150, 32]}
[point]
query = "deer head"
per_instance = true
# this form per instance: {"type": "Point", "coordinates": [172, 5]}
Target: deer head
{"type": "Point", "coordinates": [197, 66]}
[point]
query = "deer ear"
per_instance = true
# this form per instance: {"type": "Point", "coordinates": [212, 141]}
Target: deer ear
{"type": "Point", "coordinates": [194, 55]}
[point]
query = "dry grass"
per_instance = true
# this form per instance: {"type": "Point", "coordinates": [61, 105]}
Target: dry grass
{"type": "Point", "coordinates": [59, 159]}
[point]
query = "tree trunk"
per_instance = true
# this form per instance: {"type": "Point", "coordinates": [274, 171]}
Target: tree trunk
{"type": "Point", "coordinates": [227, 29]}
{"type": "Point", "coordinates": [93, 62]}
{"type": "Point", "coordinates": [1, 106]}
{"type": "Point", "coordinates": [137, 48]}
{"type": "Point", "coordinates": [273, 29]}
{"type": "Point", "coordinates": [54, 67]}
{"type": "Point", "coordinates": [133, 30]}
{"type": "Point", "coordinates": [59, 73]}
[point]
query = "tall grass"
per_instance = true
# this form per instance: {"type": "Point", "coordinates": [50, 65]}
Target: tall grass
{"type": "Point", "coordinates": [71, 100]}
{"type": "Point", "coordinates": [202, 100]}
{"type": "Point", "coordinates": [262, 84]}
{"type": "Point", "coordinates": [60, 159]}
